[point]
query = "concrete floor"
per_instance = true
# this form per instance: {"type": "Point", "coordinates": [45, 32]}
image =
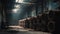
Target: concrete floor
{"type": "Point", "coordinates": [23, 32]}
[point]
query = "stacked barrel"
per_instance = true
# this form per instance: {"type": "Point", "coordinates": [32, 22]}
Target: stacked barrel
{"type": "Point", "coordinates": [43, 22]}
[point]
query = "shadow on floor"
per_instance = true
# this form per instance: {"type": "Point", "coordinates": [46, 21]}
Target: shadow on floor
{"type": "Point", "coordinates": [13, 32]}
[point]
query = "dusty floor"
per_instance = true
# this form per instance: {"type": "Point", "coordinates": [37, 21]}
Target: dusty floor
{"type": "Point", "coordinates": [22, 32]}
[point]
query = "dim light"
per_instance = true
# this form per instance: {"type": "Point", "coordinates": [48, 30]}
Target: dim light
{"type": "Point", "coordinates": [15, 10]}
{"type": "Point", "coordinates": [19, 1]}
